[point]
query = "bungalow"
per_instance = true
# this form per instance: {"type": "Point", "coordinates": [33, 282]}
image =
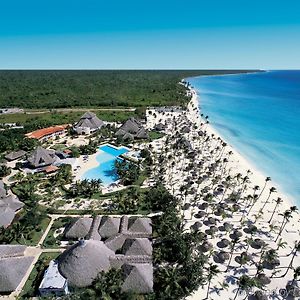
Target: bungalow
{"type": "Point", "coordinates": [132, 129]}
{"type": "Point", "coordinates": [13, 266]}
{"type": "Point", "coordinates": [48, 133]}
{"type": "Point", "coordinates": [9, 205]}
{"type": "Point", "coordinates": [42, 157]}
{"type": "Point", "coordinates": [108, 242]}
{"type": "Point", "coordinates": [88, 123]}
{"type": "Point", "coordinates": [15, 155]}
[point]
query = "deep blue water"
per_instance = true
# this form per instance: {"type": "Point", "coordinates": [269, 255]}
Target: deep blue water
{"type": "Point", "coordinates": [106, 168]}
{"type": "Point", "coordinates": [259, 115]}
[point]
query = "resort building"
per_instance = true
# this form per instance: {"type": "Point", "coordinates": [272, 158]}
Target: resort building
{"type": "Point", "coordinates": [9, 205]}
{"type": "Point", "coordinates": [109, 242]}
{"type": "Point", "coordinates": [15, 155]}
{"type": "Point", "coordinates": [88, 123]}
{"type": "Point", "coordinates": [13, 266]}
{"type": "Point", "coordinates": [42, 157]}
{"type": "Point", "coordinates": [48, 133]}
{"type": "Point", "coordinates": [53, 283]}
{"type": "Point", "coordinates": [132, 129]}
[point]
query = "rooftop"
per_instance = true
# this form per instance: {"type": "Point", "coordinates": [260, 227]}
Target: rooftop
{"type": "Point", "coordinates": [40, 133]}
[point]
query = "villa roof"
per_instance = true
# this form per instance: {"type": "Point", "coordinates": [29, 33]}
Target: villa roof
{"type": "Point", "coordinates": [137, 246]}
{"type": "Point", "coordinates": [40, 133]}
{"type": "Point", "coordinates": [140, 225]}
{"type": "Point", "coordinates": [15, 155]}
{"type": "Point", "coordinates": [2, 189]}
{"type": "Point", "coordinates": [11, 250]}
{"type": "Point", "coordinates": [8, 207]}
{"type": "Point", "coordinates": [42, 157]}
{"type": "Point", "coordinates": [12, 271]}
{"type": "Point", "coordinates": [115, 242]}
{"type": "Point", "coordinates": [109, 226]}
{"type": "Point", "coordinates": [89, 120]}
{"type": "Point", "coordinates": [51, 169]}
{"type": "Point", "coordinates": [79, 229]}
{"type": "Point", "coordinates": [132, 128]}
{"type": "Point", "coordinates": [82, 263]}
{"type": "Point", "coordinates": [139, 278]}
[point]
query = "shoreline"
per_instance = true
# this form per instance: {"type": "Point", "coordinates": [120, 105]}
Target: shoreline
{"type": "Point", "coordinates": [242, 163]}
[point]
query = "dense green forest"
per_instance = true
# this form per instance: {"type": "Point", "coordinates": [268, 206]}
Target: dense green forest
{"type": "Point", "coordinates": [63, 89]}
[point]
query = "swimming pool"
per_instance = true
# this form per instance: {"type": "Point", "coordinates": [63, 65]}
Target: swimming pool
{"type": "Point", "coordinates": [106, 157]}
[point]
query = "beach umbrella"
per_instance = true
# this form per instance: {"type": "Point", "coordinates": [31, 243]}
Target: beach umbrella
{"type": "Point", "coordinates": [221, 257]}
{"type": "Point", "coordinates": [263, 279]}
{"type": "Point", "coordinates": [206, 246]}
{"type": "Point", "coordinates": [257, 244]}
{"type": "Point", "coordinates": [226, 227]}
{"type": "Point", "coordinates": [212, 221]}
{"type": "Point", "coordinates": [243, 258]}
{"type": "Point", "coordinates": [293, 288]}
{"type": "Point", "coordinates": [212, 230]}
{"type": "Point", "coordinates": [236, 234]}
{"type": "Point", "coordinates": [186, 206]}
{"type": "Point", "coordinates": [223, 243]}
{"type": "Point", "coordinates": [250, 229]}
{"type": "Point", "coordinates": [260, 295]}
{"type": "Point", "coordinates": [196, 226]}
{"type": "Point", "coordinates": [200, 214]}
{"type": "Point", "coordinates": [203, 205]}
{"type": "Point", "coordinates": [219, 211]}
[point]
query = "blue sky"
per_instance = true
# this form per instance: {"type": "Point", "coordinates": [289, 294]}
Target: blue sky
{"type": "Point", "coordinates": [197, 34]}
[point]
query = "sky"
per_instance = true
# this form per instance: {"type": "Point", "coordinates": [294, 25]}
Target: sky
{"type": "Point", "coordinates": [149, 34]}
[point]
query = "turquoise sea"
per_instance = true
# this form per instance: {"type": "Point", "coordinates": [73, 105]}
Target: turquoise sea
{"type": "Point", "coordinates": [259, 115]}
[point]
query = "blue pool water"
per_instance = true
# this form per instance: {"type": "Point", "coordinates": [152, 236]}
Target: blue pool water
{"type": "Point", "coordinates": [106, 169]}
{"type": "Point", "coordinates": [259, 114]}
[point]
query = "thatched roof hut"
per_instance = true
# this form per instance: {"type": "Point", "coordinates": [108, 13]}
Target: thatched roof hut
{"type": "Point", "coordinates": [140, 225]}
{"type": "Point", "coordinates": [42, 157]}
{"type": "Point", "coordinates": [13, 266]}
{"type": "Point", "coordinates": [138, 278]}
{"type": "Point", "coordinates": [9, 205]}
{"type": "Point", "coordinates": [79, 229]}
{"type": "Point", "coordinates": [109, 226]}
{"type": "Point", "coordinates": [82, 262]}
{"type": "Point", "coordinates": [89, 120]}
{"type": "Point", "coordinates": [137, 246]}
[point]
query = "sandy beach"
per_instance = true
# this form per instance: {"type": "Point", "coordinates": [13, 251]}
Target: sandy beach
{"type": "Point", "coordinates": [176, 177]}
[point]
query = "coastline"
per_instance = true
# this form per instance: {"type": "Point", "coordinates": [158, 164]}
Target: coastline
{"type": "Point", "coordinates": [239, 162]}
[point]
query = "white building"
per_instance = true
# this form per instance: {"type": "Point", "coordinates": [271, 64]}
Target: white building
{"type": "Point", "coordinates": [53, 283]}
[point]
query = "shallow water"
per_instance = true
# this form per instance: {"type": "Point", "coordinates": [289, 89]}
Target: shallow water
{"type": "Point", "coordinates": [259, 115]}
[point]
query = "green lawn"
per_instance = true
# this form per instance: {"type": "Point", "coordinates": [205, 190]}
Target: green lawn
{"type": "Point", "coordinates": [51, 241]}
{"type": "Point", "coordinates": [34, 236]}
{"type": "Point", "coordinates": [30, 288]}
{"type": "Point", "coordinates": [154, 135]}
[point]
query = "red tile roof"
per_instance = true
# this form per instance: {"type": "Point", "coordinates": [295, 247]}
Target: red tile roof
{"type": "Point", "coordinates": [51, 169]}
{"type": "Point", "coordinates": [38, 134]}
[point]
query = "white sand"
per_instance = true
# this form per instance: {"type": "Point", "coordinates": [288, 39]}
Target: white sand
{"type": "Point", "coordinates": [175, 177]}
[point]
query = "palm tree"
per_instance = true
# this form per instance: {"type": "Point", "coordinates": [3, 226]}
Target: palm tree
{"type": "Point", "coordinates": [286, 217]}
{"type": "Point", "coordinates": [296, 250]}
{"type": "Point", "coordinates": [266, 181]}
{"type": "Point", "coordinates": [296, 275]}
{"type": "Point", "coordinates": [233, 243]}
{"type": "Point", "coordinates": [272, 190]}
{"type": "Point", "coordinates": [278, 201]}
{"type": "Point", "coordinates": [245, 283]}
{"type": "Point", "coordinates": [281, 244]}
{"type": "Point", "coordinates": [212, 271]}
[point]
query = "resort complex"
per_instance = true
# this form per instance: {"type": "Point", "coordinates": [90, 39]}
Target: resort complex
{"type": "Point", "coordinates": [152, 206]}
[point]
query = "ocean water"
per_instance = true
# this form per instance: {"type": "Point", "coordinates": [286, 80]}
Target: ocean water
{"type": "Point", "coordinates": [105, 171]}
{"type": "Point", "coordinates": [259, 115]}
